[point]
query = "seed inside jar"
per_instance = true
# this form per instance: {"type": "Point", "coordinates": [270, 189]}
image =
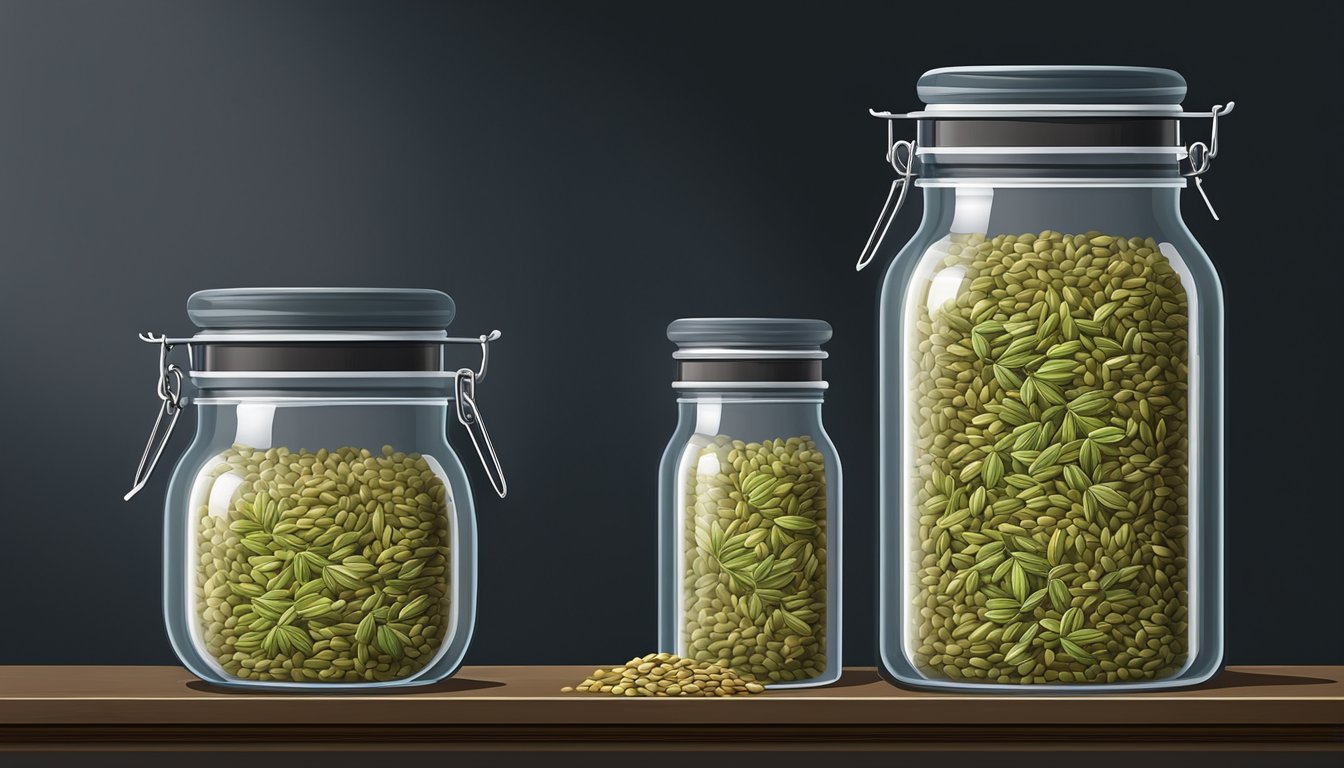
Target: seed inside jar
{"type": "Point", "coordinates": [1049, 462]}
{"type": "Point", "coordinates": [754, 583]}
{"type": "Point", "coordinates": [322, 567]}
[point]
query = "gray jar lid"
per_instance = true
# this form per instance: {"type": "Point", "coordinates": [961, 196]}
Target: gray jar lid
{"type": "Point", "coordinates": [1051, 85]}
{"type": "Point", "coordinates": [321, 308]}
{"type": "Point", "coordinates": [749, 332]}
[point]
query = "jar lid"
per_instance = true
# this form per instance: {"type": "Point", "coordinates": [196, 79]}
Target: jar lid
{"type": "Point", "coordinates": [1077, 121]}
{"type": "Point", "coordinates": [749, 352]}
{"type": "Point", "coordinates": [321, 308]}
{"type": "Point", "coordinates": [1051, 85]}
{"type": "Point", "coordinates": [247, 331]}
{"type": "Point", "coordinates": [749, 332]}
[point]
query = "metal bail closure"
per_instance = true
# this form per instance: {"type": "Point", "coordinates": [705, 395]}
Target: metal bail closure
{"type": "Point", "coordinates": [469, 416]}
{"type": "Point", "coordinates": [169, 391]}
{"type": "Point", "coordinates": [899, 188]}
{"type": "Point", "coordinates": [1201, 155]}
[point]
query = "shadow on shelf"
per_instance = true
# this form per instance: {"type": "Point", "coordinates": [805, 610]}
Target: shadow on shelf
{"type": "Point", "coordinates": [1237, 679]}
{"type": "Point", "coordinates": [451, 685]}
{"type": "Point", "coordinates": [856, 677]}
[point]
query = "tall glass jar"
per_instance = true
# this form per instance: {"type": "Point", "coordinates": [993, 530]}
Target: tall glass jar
{"type": "Point", "coordinates": [319, 529]}
{"type": "Point", "coordinates": [1051, 390]}
{"type": "Point", "coordinates": [749, 503]}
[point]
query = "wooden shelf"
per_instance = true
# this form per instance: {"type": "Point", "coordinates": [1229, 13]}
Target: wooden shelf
{"type": "Point", "coordinates": [522, 708]}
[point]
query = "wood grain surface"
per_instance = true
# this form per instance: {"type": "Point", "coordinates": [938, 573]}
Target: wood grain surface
{"type": "Point", "coordinates": [523, 708]}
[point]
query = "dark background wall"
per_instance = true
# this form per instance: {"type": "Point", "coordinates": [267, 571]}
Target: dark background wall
{"type": "Point", "coordinates": [578, 175]}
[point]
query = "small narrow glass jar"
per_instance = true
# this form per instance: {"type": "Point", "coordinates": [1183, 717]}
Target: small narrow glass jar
{"type": "Point", "coordinates": [319, 530]}
{"type": "Point", "coordinates": [750, 503]}
{"type": "Point", "coordinates": [1051, 391]}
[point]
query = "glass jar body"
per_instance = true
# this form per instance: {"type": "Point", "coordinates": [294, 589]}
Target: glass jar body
{"type": "Point", "coordinates": [1051, 441]}
{"type": "Point", "coordinates": [320, 542]}
{"type": "Point", "coordinates": [750, 537]}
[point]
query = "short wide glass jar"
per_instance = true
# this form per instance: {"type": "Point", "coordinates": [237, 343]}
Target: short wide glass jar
{"type": "Point", "coordinates": [320, 530]}
{"type": "Point", "coordinates": [749, 504]}
{"type": "Point", "coordinates": [1051, 392]}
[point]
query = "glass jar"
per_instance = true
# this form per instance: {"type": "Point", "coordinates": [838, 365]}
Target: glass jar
{"type": "Point", "coordinates": [1051, 390]}
{"type": "Point", "coordinates": [320, 532]}
{"type": "Point", "coordinates": [749, 503]}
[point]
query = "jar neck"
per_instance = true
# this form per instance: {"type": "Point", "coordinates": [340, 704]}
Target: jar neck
{"type": "Point", "coordinates": [997, 206]}
{"type": "Point", "coordinates": [1044, 166]}
{"type": "Point", "coordinates": [762, 396]}
{"type": "Point", "coordinates": [1082, 147]}
{"type": "Point", "coordinates": [752, 417]}
{"type": "Point", "coordinates": [323, 422]}
{"type": "Point", "coordinates": [320, 385]}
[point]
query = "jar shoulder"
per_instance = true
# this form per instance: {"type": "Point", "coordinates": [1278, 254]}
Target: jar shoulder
{"type": "Point", "coordinates": [219, 446]}
{"type": "Point", "coordinates": [934, 247]}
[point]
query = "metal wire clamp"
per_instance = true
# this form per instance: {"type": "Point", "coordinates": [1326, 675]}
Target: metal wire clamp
{"type": "Point", "coordinates": [1201, 155]}
{"type": "Point", "coordinates": [469, 416]}
{"type": "Point", "coordinates": [904, 167]}
{"type": "Point", "coordinates": [169, 390]}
